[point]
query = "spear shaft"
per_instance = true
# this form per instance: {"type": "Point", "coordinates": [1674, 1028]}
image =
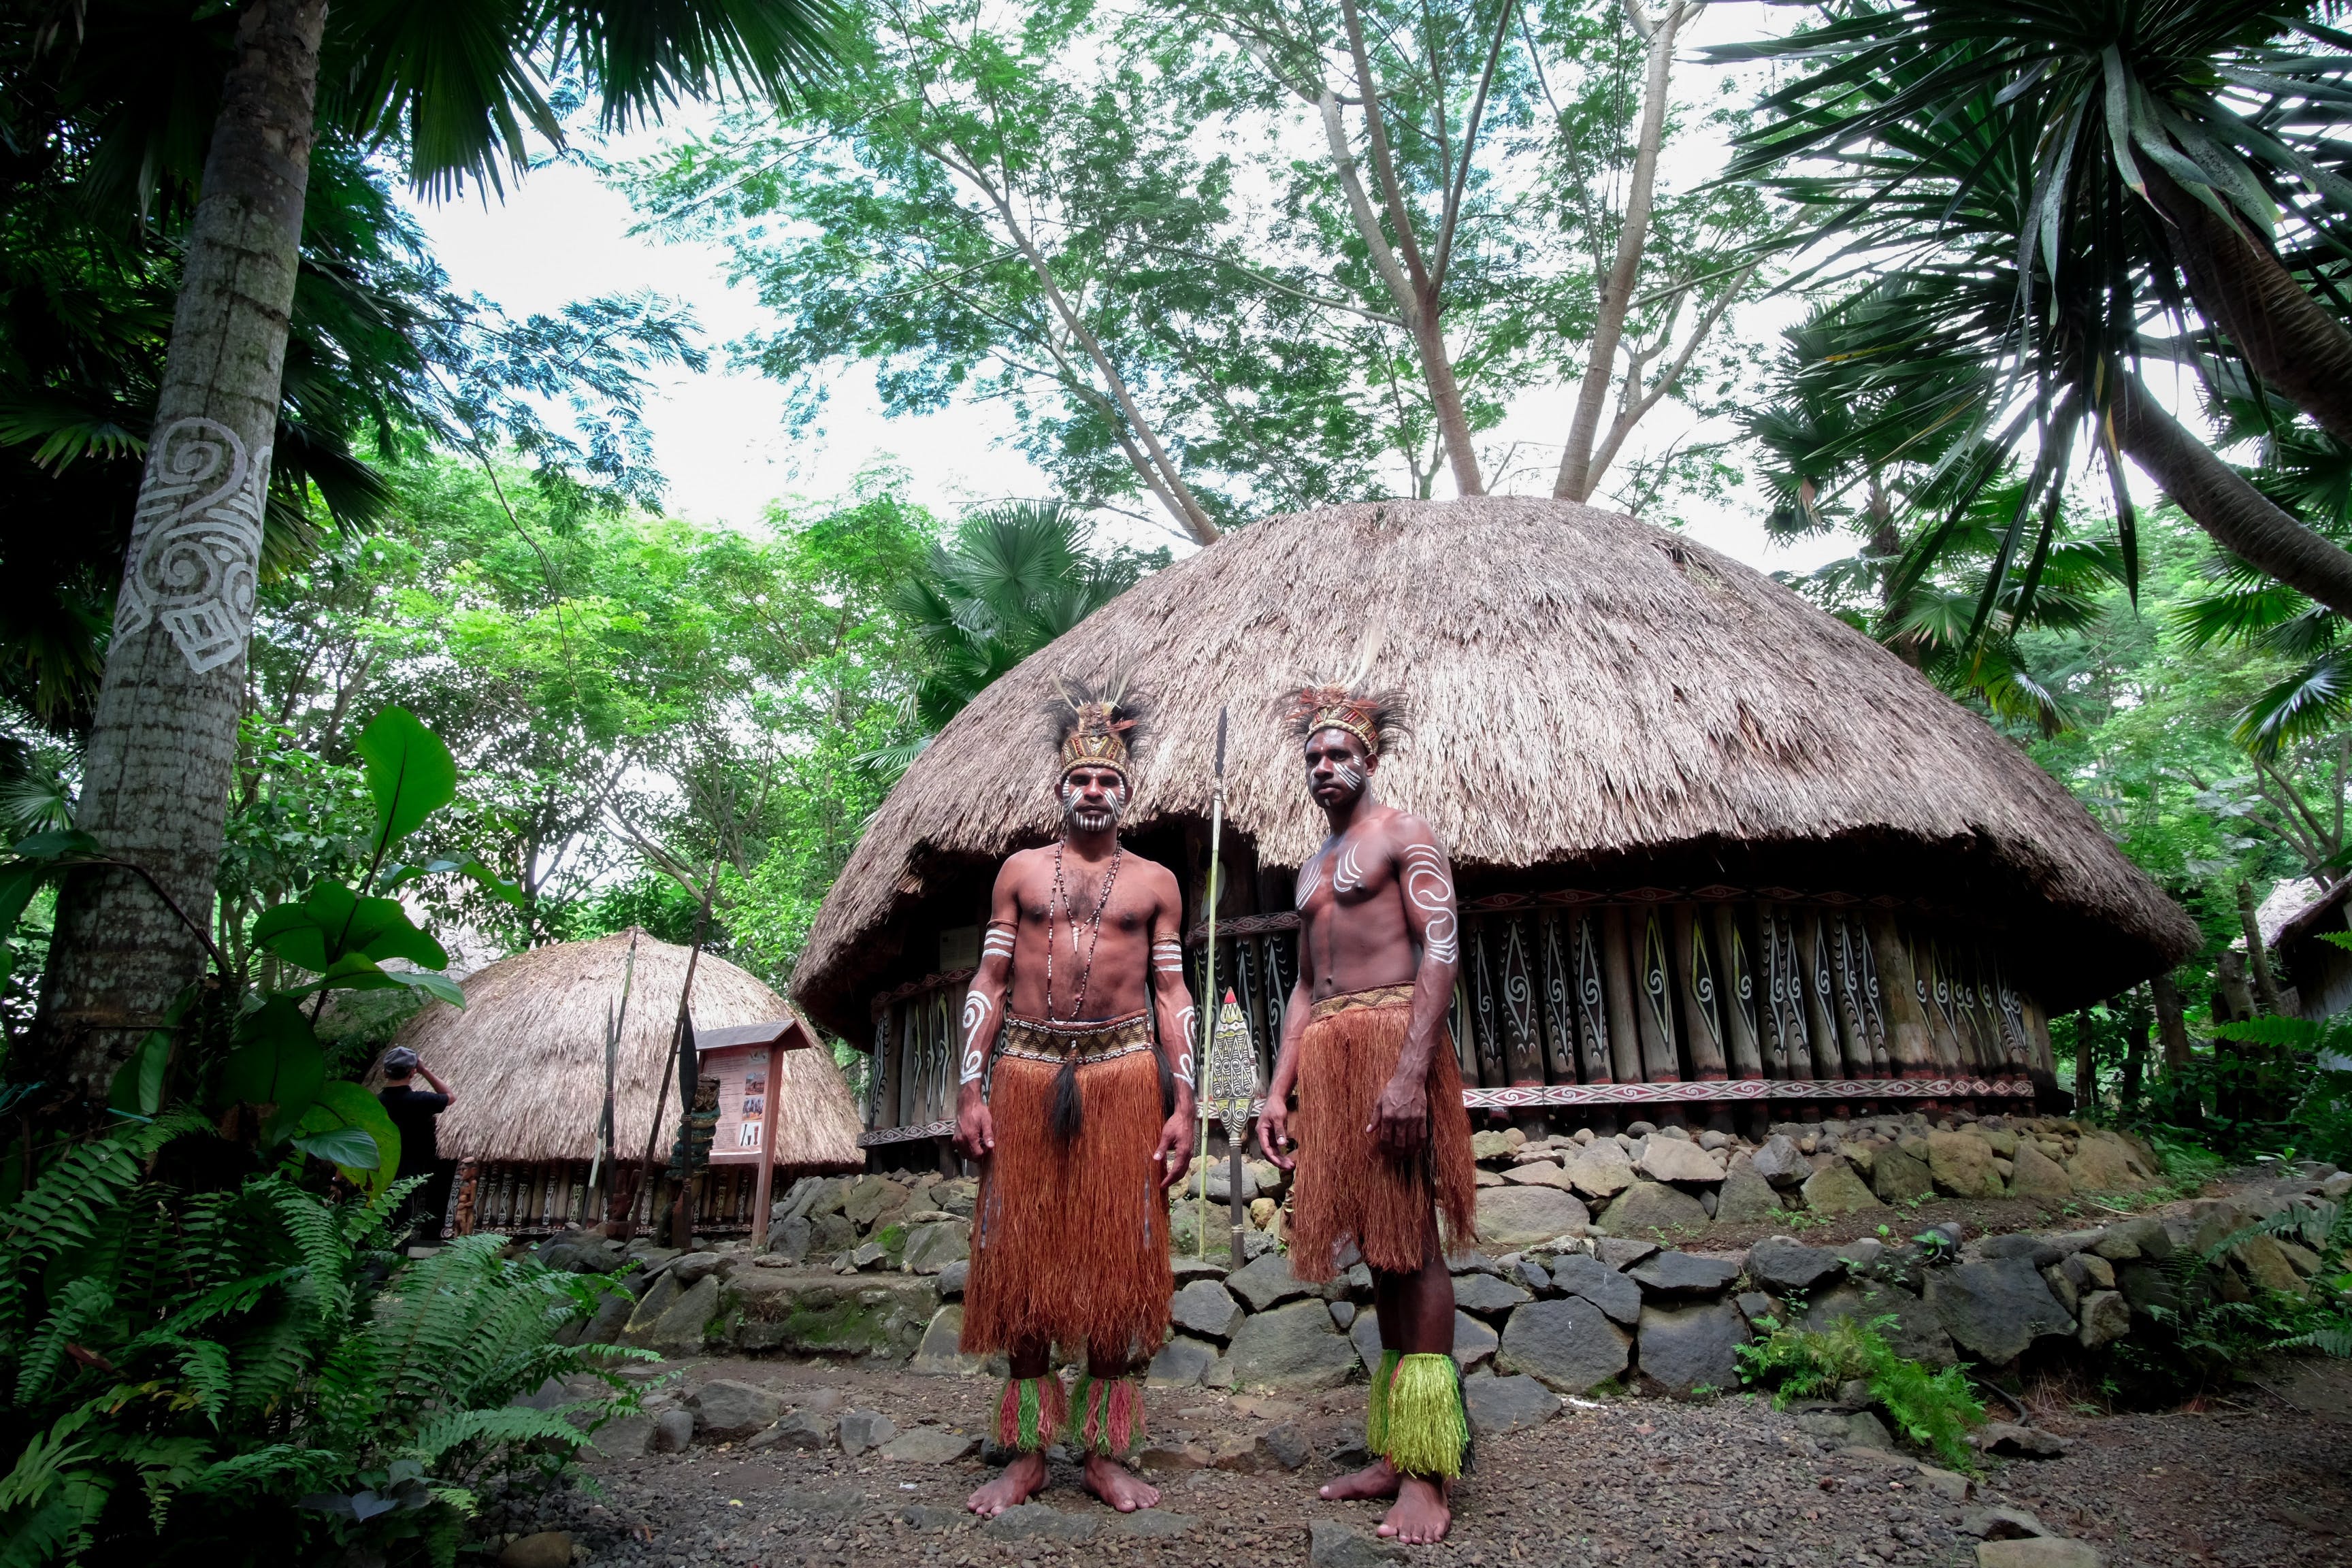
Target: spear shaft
{"type": "Point", "coordinates": [1208, 1012]}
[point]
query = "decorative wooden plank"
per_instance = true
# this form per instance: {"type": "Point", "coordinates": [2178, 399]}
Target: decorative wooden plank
{"type": "Point", "coordinates": [1751, 1088]}
{"type": "Point", "coordinates": [1591, 1009]}
{"type": "Point", "coordinates": [882, 1135]}
{"type": "Point", "coordinates": [1483, 1019]}
{"type": "Point", "coordinates": [1661, 1052]}
{"type": "Point", "coordinates": [1560, 1021]}
{"type": "Point", "coordinates": [1522, 1032]}
{"type": "Point", "coordinates": [1874, 1011]}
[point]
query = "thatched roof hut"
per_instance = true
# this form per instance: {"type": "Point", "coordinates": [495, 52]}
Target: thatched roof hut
{"type": "Point", "coordinates": [526, 1055]}
{"type": "Point", "coordinates": [1608, 713]}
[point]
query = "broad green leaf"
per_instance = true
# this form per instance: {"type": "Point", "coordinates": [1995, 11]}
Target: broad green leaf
{"type": "Point", "coordinates": [409, 772]}
{"type": "Point", "coordinates": [2272, 1031]}
{"type": "Point", "coordinates": [347, 1147]}
{"type": "Point", "coordinates": [138, 1086]}
{"type": "Point", "coordinates": [342, 1104]}
{"type": "Point", "coordinates": [276, 1062]}
{"type": "Point", "coordinates": [333, 923]}
{"type": "Point", "coordinates": [400, 875]}
{"type": "Point", "coordinates": [17, 884]}
{"type": "Point", "coordinates": [58, 841]}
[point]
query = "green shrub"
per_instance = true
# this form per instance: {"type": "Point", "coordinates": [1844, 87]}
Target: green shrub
{"type": "Point", "coordinates": [1933, 1409]}
{"type": "Point", "coordinates": [2207, 1338]}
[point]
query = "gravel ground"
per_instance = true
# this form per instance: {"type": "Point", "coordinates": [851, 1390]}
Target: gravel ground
{"type": "Point", "coordinates": [2252, 1481]}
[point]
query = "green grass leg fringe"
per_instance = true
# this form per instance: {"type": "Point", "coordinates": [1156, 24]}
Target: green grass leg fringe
{"type": "Point", "coordinates": [1109, 1413]}
{"type": "Point", "coordinates": [1032, 1411]}
{"type": "Point", "coordinates": [1376, 1408]}
{"type": "Point", "coordinates": [1427, 1430]}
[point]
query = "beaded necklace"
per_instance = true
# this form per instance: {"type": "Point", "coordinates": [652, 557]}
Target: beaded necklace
{"type": "Point", "coordinates": [1069, 911]}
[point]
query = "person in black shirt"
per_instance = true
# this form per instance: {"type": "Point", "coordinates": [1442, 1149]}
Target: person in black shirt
{"type": "Point", "coordinates": [414, 1111]}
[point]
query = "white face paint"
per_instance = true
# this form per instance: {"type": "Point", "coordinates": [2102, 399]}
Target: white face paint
{"type": "Point", "coordinates": [1088, 817]}
{"type": "Point", "coordinates": [196, 545]}
{"type": "Point", "coordinates": [1348, 775]}
{"type": "Point", "coordinates": [1432, 891]}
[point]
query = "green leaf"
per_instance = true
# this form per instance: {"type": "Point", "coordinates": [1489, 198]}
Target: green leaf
{"type": "Point", "coordinates": [345, 1105]}
{"type": "Point", "coordinates": [138, 1086]}
{"type": "Point", "coordinates": [409, 772]}
{"type": "Point", "coordinates": [17, 884]}
{"type": "Point", "coordinates": [333, 923]}
{"type": "Point", "coordinates": [57, 842]}
{"type": "Point", "coordinates": [471, 865]}
{"type": "Point", "coordinates": [276, 1062]}
{"type": "Point", "coordinates": [2272, 1031]}
{"type": "Point", "coordinates": [344, 1146]}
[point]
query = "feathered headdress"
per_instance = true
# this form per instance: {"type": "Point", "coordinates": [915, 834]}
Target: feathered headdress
{"type": "Point", "coordinates": [1378, 717]}
{"type": "Point", "coordinates": [1096, 726]}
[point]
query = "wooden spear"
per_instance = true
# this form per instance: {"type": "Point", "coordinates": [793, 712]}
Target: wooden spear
{"type": "Point", "coordinates": [1209, 992]}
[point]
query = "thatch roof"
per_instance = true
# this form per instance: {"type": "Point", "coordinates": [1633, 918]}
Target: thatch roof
{"type": "Point", "coordinates": [1590, 689]}
{"type": "Point", "coordinates": [525, 1057]}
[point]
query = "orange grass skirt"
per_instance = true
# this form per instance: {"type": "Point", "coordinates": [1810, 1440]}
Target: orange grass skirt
{"type": "Point", "coordinates": [1070, 1241]}
{"type": "Point", "coordinates": [1347, 1192]}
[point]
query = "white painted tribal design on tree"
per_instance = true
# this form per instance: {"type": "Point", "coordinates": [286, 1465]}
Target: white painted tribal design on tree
{"type": "Point", "coordinates": [1430, 891]}
{"type": "Point", "coordinates": [196, 543]}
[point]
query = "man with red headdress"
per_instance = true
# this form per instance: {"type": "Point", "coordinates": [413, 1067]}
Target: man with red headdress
{"type": "Point", "coordinates": [1383, 1145]}
{"type": "Point", "coordinates": [1079, 1125]}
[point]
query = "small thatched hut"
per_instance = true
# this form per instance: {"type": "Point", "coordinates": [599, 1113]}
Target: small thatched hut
{"type": "Point", "coordinates": [1713, 844]}
{"type": "Point", "coordinates": [525, 1059]}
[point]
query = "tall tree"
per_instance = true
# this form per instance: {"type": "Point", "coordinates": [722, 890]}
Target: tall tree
{"type": "Point", "coordinates": [2044, 179]}
{"type": "Point", "coordinates": [157, 773]}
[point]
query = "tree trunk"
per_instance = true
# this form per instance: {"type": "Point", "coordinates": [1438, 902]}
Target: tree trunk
{"type": "Point", "coordinates": [2289, 340]}
{"type": "Point", "coordinates": [2171, 1022]}
{"type": "Point", "coordinates": [2138, 1015]}
{"type": "Point", "coordinates": [2217, 497]}
{"type": "Point", "coordinates": [162, 748]}
{"type": "Point", "coordinates": [2258, 957]}
{"type": "Point", "coordinates": [2086, 1071]}
{"type": "Point", "coordinates": [1576, 476]}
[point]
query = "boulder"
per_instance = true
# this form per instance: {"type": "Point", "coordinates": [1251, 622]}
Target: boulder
{"type": "Point", "coordinates": [697, 1265]}
{"type": "Point", "coordinates": [1917, 1333]}
{"type": "Point", "coordinates": [1486, 1294]}
{"type": "Point", "coordinates": [1686, 1348]}
{"type": "Point", "coordinates": [577, 1252]}
{"type": "Point", "coordinates": [952, 1277]}
{"type": "Point", "coordinates": [929, 1446]}
{"type": "Point", "coordinates": [871, 1316]}
{"type": "Point", "coordinates": [1330, 1544]}
{"type": "Point", "coordinates": [1653, 1206]}
{"type": "Point", "coordinates": [805, 1430]}
{"type": "Point", "coordinates": [1993, 1309]}
{"type": "Point", "coordinates": [679, 1324]}
{"type": "Point", "coordinates": [1962, 1165]}
{"type": "Point", "coordinates": [1567, 1345]}
{"type": "Point", "coordinates": [1782, 1263]}
{"type": "Point", "coordinates": [1268, 1282]}
{"type": "Point", "coordinates": [540, 1549]}
{"type": "Point", "coordinates": [2038, 1551]}
{"type": "Point", "coordinates": [1500, 1405]}
{"type": "Point", "coordinates": [868, 1197]}
{"type": "Point", "coordinates": [2267, 1266]}
{"type": "Point", "coordinates": [1511, 1217]}
{"type": "Point", "coordinates": [1292, 1346]}
{"type": "Point", "coordinates": [1601, 1170]}
{"type": "Point", "coordinates": [1836, 1190]}
{"type": "Point", "coordinates": [725, 1411]}
{"type": "Point", "coordinates": [1343, 1315]}
{"type": "Point", "coordinates": [2146, 1285]}
{"type": "Point", "coordinates": [624, 1439]}
{"type": "Point", "coordinates": [1538, 1173]}
{"type": "Point", "coordinates": [1494, 1145]}
{"type": "Point", "coordinates": [1745, 1197]}
{"type": "Point", "coordinates": [864, 1429]}
{"type": "Point", "coordinates": [1670, 1160]}
{"type": "Point", "coordinates": [1364, 1333]}
{"type": "Point", "coordinates": [1181, 1363]}
{"type": "Point", "coordinates": [1622, 1251]}
{"type": "Point", "coordinates": [2038, 1177]}
{"type": "Point", "coordinates": [1614, 1293]}
{"type": "Point", "coordinates": [1898, 1177]}
{"type": "Point", "coordinates": [2102, 1163]}
{"type": "Point", "coordinates": [1780, 1162]}
{"type": "Point", "coordinates": [611, 1315]}
{"type": "Point", "coordinates": [1684, 1274]}
{"type": "Point", "coordinates": [2105, 1316]}
{"type": "Point", "coordinates": [939, 1354]}
{"type": "Point", "coordinates": [1474, 1341]}
{"type": "Point", "coordinates": [1206, 1308]}
{"type": "Point", "coordinates": [673, 1431]}
{"type": "Point", "coordinates": [931, 1248]}
{"type": "Point", "coordinates": [2133, 1238]}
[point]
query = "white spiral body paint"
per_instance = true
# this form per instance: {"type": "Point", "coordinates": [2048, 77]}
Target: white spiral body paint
{"type": "Point", "coordinates": [1167, 959]}
{"type": "Point", "coordinates": [1187, 1021]}
{"type": "Point", "coordinates": [1349, 876]}
{"type": "Point", "coordinates": [1430, 891]}
{"type": "Point", "coordinates": [979, 1008]}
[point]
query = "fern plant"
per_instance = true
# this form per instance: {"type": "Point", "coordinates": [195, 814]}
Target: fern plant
{"type": "Point", "coordinates": [180, 1368]}
{"type": "Point", "coordinates": [2205, 1336]}
{"type": "Point", "coordinates": [1933, 1409]}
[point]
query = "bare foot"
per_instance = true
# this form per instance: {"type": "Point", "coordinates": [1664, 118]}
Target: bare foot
{"type": "Point", "coordinates": [1420, 1515]}
{"type": "Point", "coordinates": [1024, 1478]}
{"type": "Point", "coordinates": [1378, 1479]}
{"type": "Point", "coordinates": [1119, 1485]}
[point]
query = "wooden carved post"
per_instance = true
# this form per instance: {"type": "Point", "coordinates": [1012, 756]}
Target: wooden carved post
{"type": "Point", "coordinates": [2171, 1022]}
{"type": "Point", "coordinates": [1617, 979]}
{"type": "Point", "coordinates": [1587, 999]}
{"type": "Point", "coordinates": [469, 1175]}
{"type": "Point", "coordinates": [1907, 1046]}
{"type": "Point", "coordinates": [1523, 1053]}
{"type": "Point", "coordinates": [1559, 1013]}
{"type": "Point", "coordinates": [1821, 1006]}
{"type": "Point", "coordinates": [1742, 1049]}
{"type": "Point", "coordinates": [1702, 1014]}
{"type": "Point", "coordinates": [772, 1102]}
{"type": "Point", "coordinates": [1784, 1008]}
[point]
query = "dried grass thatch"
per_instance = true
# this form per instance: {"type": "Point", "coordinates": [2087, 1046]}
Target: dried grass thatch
{"type": "Point", "coordinates": [1588, 690]}
{"type": "Point", "coordinates": [526, 1055]}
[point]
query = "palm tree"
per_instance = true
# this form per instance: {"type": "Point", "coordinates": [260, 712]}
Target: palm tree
{"type": "Point", "coordinates": [1016, 576]}
{"type": "Point", "coordinates": [453, 91]}
{"type": "Point", "coordinates": [2038, 181]}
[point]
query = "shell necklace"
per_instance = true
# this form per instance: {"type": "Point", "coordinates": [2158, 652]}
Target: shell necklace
{"type": "Point", "coordinates": [1094, 930]}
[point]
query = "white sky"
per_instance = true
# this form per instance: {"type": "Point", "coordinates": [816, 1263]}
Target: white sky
{"type": "Point", "coordinates": [561, 235]}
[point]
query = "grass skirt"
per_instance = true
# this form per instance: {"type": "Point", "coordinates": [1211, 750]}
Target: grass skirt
{"type": "Point", "coordinates": [1070, 1240]}
{"type": "Point", "coordinates": [1347, 1191]}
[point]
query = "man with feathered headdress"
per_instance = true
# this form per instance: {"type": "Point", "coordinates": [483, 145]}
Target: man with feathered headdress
{"type": "Point", "coordinates": [1383, 1144]}
{"type": "Point", "coordinates": [1080, 1126]}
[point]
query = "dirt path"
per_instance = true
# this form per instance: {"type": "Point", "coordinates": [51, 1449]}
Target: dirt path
{"type": "Point", "coordinates": [2249, 1483]}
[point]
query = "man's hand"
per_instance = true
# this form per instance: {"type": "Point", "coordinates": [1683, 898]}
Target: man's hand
{"type": "Point", "coordinates": [1399, 1124]}
{"type": "Point", "coordinates": [1274, 1130]}
{"type": "Point", "coordinates": [975, 1129]}
{"type": "Point", "coordinates": [1175, 1152]}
